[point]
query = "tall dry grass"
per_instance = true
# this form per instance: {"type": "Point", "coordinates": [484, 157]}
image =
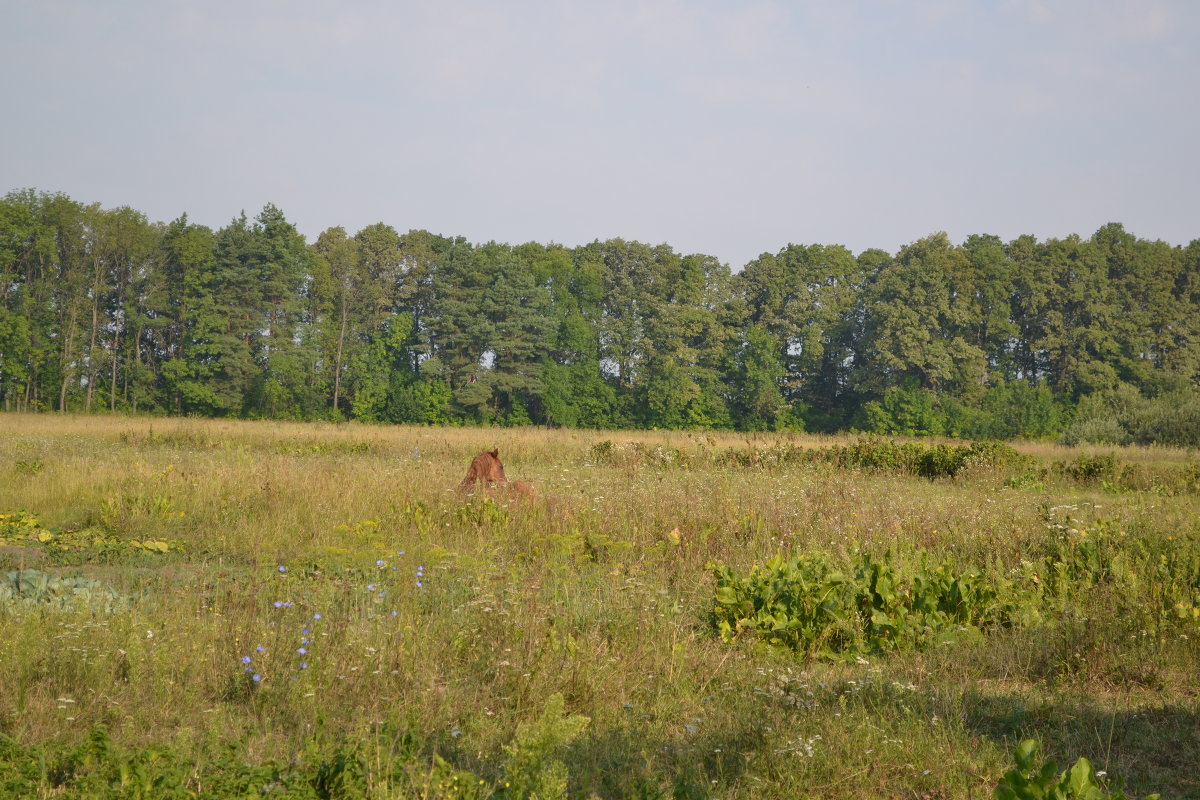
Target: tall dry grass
{"type": "Point", "coordinates": [598, 590]}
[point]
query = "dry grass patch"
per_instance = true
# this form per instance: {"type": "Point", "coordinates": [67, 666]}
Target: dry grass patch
{"type": "Point", "coordinates": [600, 591]}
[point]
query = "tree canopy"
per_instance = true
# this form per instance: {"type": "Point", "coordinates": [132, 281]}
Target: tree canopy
{"type": "Point", "coordinates": [105, 310]}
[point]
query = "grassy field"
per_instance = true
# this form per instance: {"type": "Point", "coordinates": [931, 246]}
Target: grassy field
{"type": "Point", "coordinates": [309, 610]}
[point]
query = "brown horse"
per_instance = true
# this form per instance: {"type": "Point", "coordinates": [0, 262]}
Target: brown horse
{"type": "Point", "coordinates": [488, 470]}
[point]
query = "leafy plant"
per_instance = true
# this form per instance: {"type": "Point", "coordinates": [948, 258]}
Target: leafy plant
{"type": "Point", "coordinates": [1032, 780]}
{"type": "Point", "coordinates": [876, 454]}
{"type": "Point", "coordinates": [630, 454]}
{"type": "Point", "coordinates": [31, 589]}
{"type": "Point", "coordinates": [1087, 468]}
{"type": "Point", "coordinates": [807, 605]}
{"type": "Point", "coordinates": [802, 604]}
{"type": "Point", "coordinates": [28, 466]}
{"type": "Point", "coordinates": [25, 530]}
{"type": "Point", "coordinates": [533, 769]}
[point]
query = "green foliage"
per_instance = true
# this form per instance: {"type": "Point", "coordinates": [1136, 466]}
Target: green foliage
{"type": "Point", "coordinates": [875, 604]}
{"type": "Point", "coordinates": [16, 525]}
{"type": "Point", "coordinates": [1095, 430]}
{"type": "Point", "coordinates": [885, 455]}
{"type": "Point", "coordinates": [1157, 583]}
{"type": "Point", "coordinates": [756, 376]}
{"type": "Point", "coordinates": [1008, 410]}
{"type": "Point", "coordinates": [1088, 468]}
{"type": "Point", "coordinates": [1034, 780]}
{"type": "Point", "coordinates": [15, 350]}
{"type": "Point", "coordinates": [909, 410]}
{"type": "Point", "coordinates": [25, 530]}
{"type": "Point", "coordinates": [1125, 415]}
{"type": "Point", "coordinates": [386, 388]}
{"type": "Point", "coordinates": [99, 769]}
{"type": "Point", "coordinates": [33, 590]}
{"type": "Point", "coordinates": [533, 770]}
{"type": "Point", "coordinates": [633, 454]}
{"type": "Point", "coordinates": [1171, 419]}
{"type": "Point", "coordinates": [104, 309]}
{"type": "Point", "coordinates": [805, 604]}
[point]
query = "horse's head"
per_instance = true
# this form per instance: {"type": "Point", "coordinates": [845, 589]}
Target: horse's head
{"type": "Point", "coordinates": [487, 469]}
{"type": "Point", "coordinates": [491, 468]}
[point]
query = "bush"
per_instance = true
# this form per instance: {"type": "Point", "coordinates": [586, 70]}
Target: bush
{"type": "Point", "coordinates": [875, 454]}
{"type": "Point", "coordinates": [1096, 430]}
{"type": "Point", "coordinates": [907, 410]}
{"type": "Point", "coordinates": [1089, 468]}
{"type": "Point", "coordinates": [1172, 420]}
{"type": "Point", "coordinates": [632, 454]}
{"type": "Point", "coordinates": [1007, 411]}
{"type": "Point", "coordinates": [1123, 416]}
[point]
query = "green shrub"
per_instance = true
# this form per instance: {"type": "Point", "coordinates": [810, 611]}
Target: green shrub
{"type": "Point", "coordinates": [630, 454]}
{"type": "Point", "coordinates": [803, 604]}
{"type": "Point", "coordinates": [1171, 420]}
{"type": "Point", "coordinates": [916, 458]}
{"type": "Point", "coordinates": [882, 603]}
{"type": "Point", "coordinates": [1089, 468]}
{"type": "Point", "coordinates": [533, 770]}
{"type": "Point", "coordinates": [1096, 430]}
{"type": "Point", "coordinates": [807, 605]}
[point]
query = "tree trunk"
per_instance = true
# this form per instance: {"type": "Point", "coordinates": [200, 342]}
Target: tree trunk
{"type": "Point", "coordinates": [112, 390]}
{"type": "Point", "coordinates": [66, 361]}
{"type": "Point", "coordinates": [337, 368]}
{"type": "Point", "coordinates": [95, 329]}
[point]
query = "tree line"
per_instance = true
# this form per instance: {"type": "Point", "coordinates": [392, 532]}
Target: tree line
{"type": "Point", "coordinates": [104, 309]}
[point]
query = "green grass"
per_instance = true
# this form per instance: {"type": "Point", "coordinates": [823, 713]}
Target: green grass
{"type": "Point", "coordinates": [600, 591]}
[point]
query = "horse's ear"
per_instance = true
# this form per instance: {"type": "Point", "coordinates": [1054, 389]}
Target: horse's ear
{"type": "Point", "coordinates": [496, 453]}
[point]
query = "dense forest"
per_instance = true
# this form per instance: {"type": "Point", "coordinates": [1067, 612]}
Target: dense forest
{"type": "Point", "coordinates": [1092, 339]}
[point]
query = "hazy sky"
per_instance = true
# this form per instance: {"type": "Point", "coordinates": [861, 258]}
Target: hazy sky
{"type": "Point", "coordinates": [728, 128]}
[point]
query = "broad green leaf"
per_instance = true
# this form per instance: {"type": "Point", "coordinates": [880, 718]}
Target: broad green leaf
{"type": "Point", "coordinates": [1026, 751]}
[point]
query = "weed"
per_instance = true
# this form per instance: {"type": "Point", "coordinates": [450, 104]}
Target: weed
{"type": "Point", "coordinates": [33, 590]}
{"type": "Point", "coordinates": [1032, 780]}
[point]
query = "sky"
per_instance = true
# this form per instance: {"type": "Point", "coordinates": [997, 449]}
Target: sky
{"type": "Point", "coordinates": [724, 128]}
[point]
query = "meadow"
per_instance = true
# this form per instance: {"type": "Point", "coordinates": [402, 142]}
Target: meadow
{"type": "Point", "coordinates": [207, 608]}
